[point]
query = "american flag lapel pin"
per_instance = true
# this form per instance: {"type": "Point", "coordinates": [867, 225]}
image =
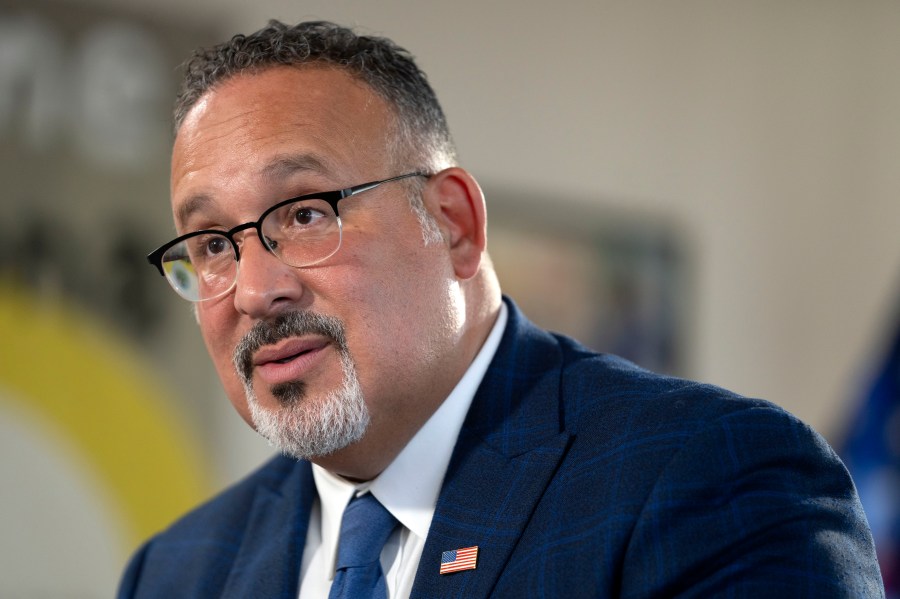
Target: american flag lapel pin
{"type": "Point", "coordinates": [459, 559]}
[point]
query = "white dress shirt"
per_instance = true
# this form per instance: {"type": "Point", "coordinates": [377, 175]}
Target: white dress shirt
{"type": "Point", "coordinates": [408, 488]}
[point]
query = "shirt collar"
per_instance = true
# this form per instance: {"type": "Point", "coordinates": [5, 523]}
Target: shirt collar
{"type": "Point", "coordinates": [410, 485]}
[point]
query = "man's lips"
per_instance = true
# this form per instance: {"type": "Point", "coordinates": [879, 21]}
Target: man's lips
{"type": "Point", "coordinates": [289, 360]}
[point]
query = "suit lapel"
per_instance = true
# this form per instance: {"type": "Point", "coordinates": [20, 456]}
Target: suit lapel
{"type": "Point", "coordinates": [268, 562]}
{"type": "Point", "coordinates": [509, 447]}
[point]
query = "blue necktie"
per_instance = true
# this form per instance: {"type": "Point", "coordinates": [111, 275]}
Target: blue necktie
{"type": "Point", "coordinates": [365, 529]}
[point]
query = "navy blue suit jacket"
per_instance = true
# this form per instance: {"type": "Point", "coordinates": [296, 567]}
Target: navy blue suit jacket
{"type": "Point", "coordinates": [577, 475]}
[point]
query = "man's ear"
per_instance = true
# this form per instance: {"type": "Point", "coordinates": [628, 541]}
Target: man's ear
{"type": "Point", "coordinates": [455, 200]}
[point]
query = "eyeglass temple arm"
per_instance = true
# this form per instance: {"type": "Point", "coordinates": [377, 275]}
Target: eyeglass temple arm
{"type": "Point", "coordinates": [367, 186]}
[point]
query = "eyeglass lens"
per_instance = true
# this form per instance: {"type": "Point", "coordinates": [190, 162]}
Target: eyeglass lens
{"type": "Point", "coordinates": [301, 233]}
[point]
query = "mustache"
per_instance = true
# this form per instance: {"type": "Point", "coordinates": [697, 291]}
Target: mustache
{"type": "Point", "coordinates": [289, 324]}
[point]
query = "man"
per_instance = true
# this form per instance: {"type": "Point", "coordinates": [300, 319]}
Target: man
{"type": "Point", "coordinates": [425, 422]}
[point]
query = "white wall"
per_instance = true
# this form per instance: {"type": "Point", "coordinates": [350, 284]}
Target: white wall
{"type": "Point", "coordinates": [769, 130]}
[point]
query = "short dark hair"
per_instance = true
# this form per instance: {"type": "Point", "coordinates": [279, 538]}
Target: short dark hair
{"type": "Point", "coordinates": [385, 67]}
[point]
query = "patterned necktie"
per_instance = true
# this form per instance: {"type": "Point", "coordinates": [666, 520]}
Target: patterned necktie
{"type": "Point", "coordinates": [365, 529]}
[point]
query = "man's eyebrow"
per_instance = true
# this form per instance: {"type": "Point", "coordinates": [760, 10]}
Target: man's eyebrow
{"type": "Point", "coordinates": [193, 204]}
{"type": "Point", "coordinates": [285, 165]}
{"type": "Point", "coordinates": [278, 169]}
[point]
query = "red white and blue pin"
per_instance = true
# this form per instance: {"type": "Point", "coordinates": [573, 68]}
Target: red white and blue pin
{"type": "Point", "coordinates": [457, 560]}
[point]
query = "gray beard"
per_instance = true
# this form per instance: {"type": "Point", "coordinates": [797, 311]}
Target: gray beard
{"type": "Point", "coordinates": [304, 426]}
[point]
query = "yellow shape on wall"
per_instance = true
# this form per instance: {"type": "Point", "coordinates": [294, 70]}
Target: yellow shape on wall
{"type": "Point", "coordinates": [89, 384]}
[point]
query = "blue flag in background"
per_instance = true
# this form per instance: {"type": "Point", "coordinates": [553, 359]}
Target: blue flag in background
{"type": "Point", "coordinates": [872, 453]}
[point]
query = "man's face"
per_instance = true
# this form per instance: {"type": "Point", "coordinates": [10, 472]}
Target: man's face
{"type": "Point", "coordinates": [257, 139]}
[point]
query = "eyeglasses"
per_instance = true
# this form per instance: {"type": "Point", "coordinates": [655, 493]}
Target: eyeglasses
{"type": "Point", "coordinates": [301, 231]}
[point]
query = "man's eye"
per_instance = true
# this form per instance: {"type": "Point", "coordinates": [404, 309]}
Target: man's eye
{"type": "Point", "coordinates": [306, 216]}
{"type": "Point", "coordinates": [216, 245]}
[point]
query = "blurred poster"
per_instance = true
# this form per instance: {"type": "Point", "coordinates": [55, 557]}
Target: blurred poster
{"type": "Point", "coordinates": [617, 282]}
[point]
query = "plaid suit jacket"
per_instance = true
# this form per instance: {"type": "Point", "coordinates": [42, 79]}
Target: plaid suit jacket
{"type": "Point", "coordinates": [577, 475]}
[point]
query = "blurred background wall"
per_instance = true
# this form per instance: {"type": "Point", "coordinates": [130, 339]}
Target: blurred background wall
{"type": "Point", "coordinates": [712, 189]}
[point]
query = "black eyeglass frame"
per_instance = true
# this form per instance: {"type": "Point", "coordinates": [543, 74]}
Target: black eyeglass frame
{"type": "Point", "coordinates": [331, 197]}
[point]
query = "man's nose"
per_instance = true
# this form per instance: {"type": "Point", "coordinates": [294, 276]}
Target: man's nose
{"type": "Point", "coordinates": [265, 285]}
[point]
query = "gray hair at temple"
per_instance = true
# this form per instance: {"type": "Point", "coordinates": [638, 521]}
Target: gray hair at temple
{"type": "Point", "coordinates": [421, 136]}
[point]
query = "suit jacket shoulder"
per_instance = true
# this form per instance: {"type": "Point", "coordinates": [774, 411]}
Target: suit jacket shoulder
{"type": "Point", "coordinates": [245, 542]}
{"type": "Point", "coordinates": [579, 474]}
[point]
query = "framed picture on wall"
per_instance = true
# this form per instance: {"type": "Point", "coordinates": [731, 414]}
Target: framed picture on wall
{"type": "Point", "coordinates": [617, 282]}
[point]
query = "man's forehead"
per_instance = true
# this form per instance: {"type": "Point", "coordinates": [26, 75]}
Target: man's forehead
{"type": "Point", "coordinates": [283, 104]}
{"type": "Point", "coordinates": [288, 82]}
{"type": "Point", "coordinates": [262, 128]}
